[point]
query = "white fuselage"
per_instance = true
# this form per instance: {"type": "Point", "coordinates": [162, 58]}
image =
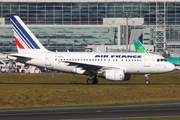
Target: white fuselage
{"type": "Point", "coordinates": [112, 66]}
{"type": "Point", "coordinates": [74, 62]}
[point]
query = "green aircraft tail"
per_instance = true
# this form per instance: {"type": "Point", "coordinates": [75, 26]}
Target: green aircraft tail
{"type": "Point", "coordinates": [139, 47]}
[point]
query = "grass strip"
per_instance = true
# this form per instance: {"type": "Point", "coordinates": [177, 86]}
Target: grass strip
{"type": "Point", "coordinates": [62, 90]}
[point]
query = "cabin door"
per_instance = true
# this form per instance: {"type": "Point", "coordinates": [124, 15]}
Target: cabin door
{"type": "Point", "coordinates": [146, 61]}
{"type": "Point", "coordinates": [48, 60]}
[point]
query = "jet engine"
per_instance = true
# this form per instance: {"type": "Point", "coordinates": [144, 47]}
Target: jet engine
{"type": "Point", "coordinates": [116, 75]}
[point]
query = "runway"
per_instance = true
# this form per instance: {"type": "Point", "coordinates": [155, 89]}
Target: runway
{"type": "Point", "coordinates": [162, 110]}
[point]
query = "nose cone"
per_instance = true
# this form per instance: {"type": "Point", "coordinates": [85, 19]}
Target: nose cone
{"type": "Point", "coordinates": [170, 67]}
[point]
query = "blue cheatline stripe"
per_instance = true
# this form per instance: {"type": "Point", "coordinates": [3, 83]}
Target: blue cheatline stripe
{"type": "Point", "coordinates": [21, 36]}
{"type": "Point", "coordinates": [24, 33]}
{"type": "Point", "coordinates": [21, 39]}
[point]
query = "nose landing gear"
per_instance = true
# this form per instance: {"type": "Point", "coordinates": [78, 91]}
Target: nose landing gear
{"type": "Point", "coordinates": [147, 82]}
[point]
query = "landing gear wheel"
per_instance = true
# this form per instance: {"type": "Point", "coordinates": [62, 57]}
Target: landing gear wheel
{"type": "Point", "coordinates": [92, 80]}
{"type": "Point", "coordinates": [95, 80]}
{"type": "Point", "coordinates": [147, 82]}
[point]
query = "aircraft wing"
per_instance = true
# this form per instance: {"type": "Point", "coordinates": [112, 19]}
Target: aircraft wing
{"type": "Point", "coordinates": [92, 67]}
{"type": "Point", "coordinates": [86, 66]}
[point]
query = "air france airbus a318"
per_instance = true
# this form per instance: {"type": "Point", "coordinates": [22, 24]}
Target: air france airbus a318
{"type": "Point", "coordinates": [111, 66]}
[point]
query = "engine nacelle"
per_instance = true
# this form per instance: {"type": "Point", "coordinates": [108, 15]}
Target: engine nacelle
{"type": "Point", "coordinates": [116, 75]}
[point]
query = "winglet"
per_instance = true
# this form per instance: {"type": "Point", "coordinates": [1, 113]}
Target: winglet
{"type": "Point", "coordinates": [24, 38]}
{"type": "Point", "coordinates": [139, 47]}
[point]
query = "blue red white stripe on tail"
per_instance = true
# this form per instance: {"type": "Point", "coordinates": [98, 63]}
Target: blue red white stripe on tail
{"type": "Point", "coordinates": [22, 38]}
{"type": "Point", "coordinates": [18, 43]}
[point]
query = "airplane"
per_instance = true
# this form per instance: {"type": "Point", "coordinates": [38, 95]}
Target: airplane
{"type": "Point", "coordinates": [141, 49]}
{"type": "Point", "coordinates": [111, 66]}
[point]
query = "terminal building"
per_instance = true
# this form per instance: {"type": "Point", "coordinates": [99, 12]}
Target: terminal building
{"type": "Point", "coordinates": [80, 24]}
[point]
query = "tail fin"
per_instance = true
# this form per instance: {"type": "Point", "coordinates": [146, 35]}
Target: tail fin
{"type": "Point", "coordinates": [139, 47]}
{"type": "Point", "coordinates": [24, 38]}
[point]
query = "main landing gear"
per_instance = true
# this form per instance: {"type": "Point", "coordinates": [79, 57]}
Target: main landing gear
{"type": "Point", "coordinates": [92, 80]}
{"type": "Point", "coordinates": [147, 82]}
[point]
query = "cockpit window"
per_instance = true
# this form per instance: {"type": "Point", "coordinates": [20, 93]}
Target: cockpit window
{"type": "Point", "coordinates": [161, 60]}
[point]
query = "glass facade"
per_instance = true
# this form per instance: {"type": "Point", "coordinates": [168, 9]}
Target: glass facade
{"type": "Point", "coordinates": [87, 12]}
{"type": "Point", "coordinates": [56, 13]}
{"type": "Point", "coordinates": [60, 38]}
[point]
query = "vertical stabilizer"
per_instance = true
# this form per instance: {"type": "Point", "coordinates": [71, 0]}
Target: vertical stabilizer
{"type": "Point", "coordinates": [24, 38]}
{"type": "Point", "coordinates": [139, 47]}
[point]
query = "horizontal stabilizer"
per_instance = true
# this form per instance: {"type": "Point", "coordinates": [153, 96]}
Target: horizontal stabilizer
{"type": "Point", "coordinates": [19, 56]}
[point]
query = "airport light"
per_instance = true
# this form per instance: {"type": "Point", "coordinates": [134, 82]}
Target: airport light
{"type": "Point", "coordinates": [127, 16]}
